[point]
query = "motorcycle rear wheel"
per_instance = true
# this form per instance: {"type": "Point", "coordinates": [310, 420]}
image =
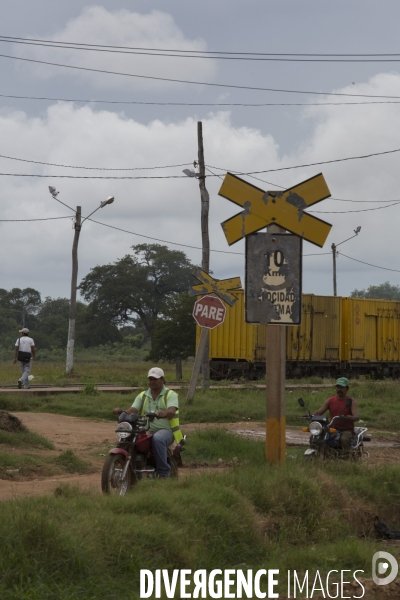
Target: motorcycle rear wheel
{"type": "Point", "coordinates": [111, 476]}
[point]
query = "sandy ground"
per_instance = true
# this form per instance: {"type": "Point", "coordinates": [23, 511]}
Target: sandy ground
{"type": "Point", "coordinates": [92, 440]}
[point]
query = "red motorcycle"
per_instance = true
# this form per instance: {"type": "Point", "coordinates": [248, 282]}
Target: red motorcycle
{"type": "Point", "coordinates": [133, 458]}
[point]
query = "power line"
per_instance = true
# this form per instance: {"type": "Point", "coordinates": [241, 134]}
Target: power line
{"type": "Point", "coordinates": [36, 162]}
{"type": "Point", "coordinates": [163, 241]}
{"type": "Point", "coordinates": [218, 85]}
{"type": "Point", "coordinates": [100, 47]}
{"type": "Point", "coordinates": [338, 212]}
{"type": "Point", "coordinates": [369, 264]}
{"type": "Point", "coordinates": [248, 104]}
{"type": "Point", "coordinates": [28, 220]}
{"type": "Point", "coordinates": [249, 173]}
{"type": "Point", "coordinates": [206, 55]}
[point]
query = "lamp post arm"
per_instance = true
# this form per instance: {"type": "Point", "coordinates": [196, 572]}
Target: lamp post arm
{"type": "Point", "coordinates": [92, 213]}
{"type": "Point", "coordinates": [350, 238]}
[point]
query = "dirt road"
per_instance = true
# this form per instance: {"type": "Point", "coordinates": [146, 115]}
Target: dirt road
{"type": "Point", "coordinates": [92, 439]}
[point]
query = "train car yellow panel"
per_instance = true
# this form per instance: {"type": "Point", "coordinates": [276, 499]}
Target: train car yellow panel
{"type": "Point", "coordinates": [372, 331]}
{"type": "Point", "coordinates": [318, 336]}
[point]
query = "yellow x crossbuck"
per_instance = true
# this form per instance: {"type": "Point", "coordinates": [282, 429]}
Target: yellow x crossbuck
{"type": "Point", "coordinates": [285, 209]}
{"type": "Point", "coordinates": [220, 287]}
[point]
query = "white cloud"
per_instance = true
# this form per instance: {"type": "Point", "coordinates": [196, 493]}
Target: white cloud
{"type": "Point", "coordinates": [97, 25]}
{"type": "Point", "coordinates": [38, 254]}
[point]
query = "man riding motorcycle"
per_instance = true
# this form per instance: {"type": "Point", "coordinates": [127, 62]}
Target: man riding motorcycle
{"type": "Point", "coordinates": [337, 407]}
{"type": "Point", "coordinates": [165, 428]}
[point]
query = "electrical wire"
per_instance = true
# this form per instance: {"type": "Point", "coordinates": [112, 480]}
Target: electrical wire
{"type": "Point", "coordinates": [249, 104]}
{"type": "Point", "coordinates": [343, 57]}
{"type": "Point", "coordinates": [199, 55]}
{"type": "Point", "coordinates": [36, 162]}
{"type": "Point", "coordinates": [159, 240]}
{"type": "Point", "coordinates": [28, 220]}
{"type": "Point", "coordinates": [326, 162]}
{"type": "Point", "coordinates": [339, 212]}
{"type": "Point", "coordinates": [369, 264]}
{"type": "Point", "coordinates": [205, 83]}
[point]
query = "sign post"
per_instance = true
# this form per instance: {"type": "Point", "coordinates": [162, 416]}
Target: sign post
{"type": "Point", "coordinates": [273, 275]}
{"type": "Point", "coordinates": [209, 312]}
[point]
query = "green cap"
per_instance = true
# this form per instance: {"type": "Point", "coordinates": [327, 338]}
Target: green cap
{"type": "Point", "coordinates": [342, 381]}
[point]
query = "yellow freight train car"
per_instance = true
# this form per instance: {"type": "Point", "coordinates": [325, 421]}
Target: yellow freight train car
{"type": "Point", "coordinates": [346, 336]}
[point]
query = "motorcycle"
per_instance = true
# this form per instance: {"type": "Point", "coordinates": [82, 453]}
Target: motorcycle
{"type": "Point", "coordinates": [325, 439]}
{"type": "Point", "coordinates": [133, 458]}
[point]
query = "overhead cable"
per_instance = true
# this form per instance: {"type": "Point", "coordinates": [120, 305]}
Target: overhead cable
{"type": "Point", "coordinates": [249, 104]}
{"type": "Point", "coordinates": [204, 55]}
{"type": "Point", "coordinates": [37, 162]}
{"type": "Point", "coordinates": [204, 83]}
{"type": "Point", "coordinates": [369, 264]}
{"type": "Point", "coordinates": [27, 220]}
{"type": "Point", "coordinates": [207, 53]}
{"type": "Point", "coordinates": [249, 173]}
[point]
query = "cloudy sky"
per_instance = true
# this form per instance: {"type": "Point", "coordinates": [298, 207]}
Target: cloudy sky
{"type": "Point", "coordinates": [130, 132]}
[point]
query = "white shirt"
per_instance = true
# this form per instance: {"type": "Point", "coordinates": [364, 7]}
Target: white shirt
{"type": "Point", "coordinates": [25, 342]}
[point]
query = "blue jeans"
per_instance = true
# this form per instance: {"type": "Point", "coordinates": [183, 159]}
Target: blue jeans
{"type": "Point", "coordinates": [160, 441]}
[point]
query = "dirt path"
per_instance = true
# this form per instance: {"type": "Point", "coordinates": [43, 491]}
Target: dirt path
{"type": "Point", "coordinates": [92, 439]}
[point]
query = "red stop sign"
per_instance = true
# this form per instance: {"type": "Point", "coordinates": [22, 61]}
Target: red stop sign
{"type": "Point", "coordinates": [209, 312]}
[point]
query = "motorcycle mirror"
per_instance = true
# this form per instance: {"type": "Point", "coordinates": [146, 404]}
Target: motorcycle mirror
{"type": "Point", "coordinates": [301, 402]}
{"type": "Point", "coordinates": [348, 402]}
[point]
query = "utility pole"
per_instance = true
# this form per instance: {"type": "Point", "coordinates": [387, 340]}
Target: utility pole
{"type": "Point", "coordinates": [74, 281]}
{"type": "Point", "coordinates": [334, 269]}
{"type": "Point", "coordinates": [205, 262]}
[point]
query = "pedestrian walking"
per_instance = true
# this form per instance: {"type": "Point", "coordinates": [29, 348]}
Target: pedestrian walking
{"type": "Point", "coordinates": [24, 351]}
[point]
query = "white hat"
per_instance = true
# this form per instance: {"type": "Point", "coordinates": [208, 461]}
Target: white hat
{"type": "Point", "coordinates": [155, 372]}
{"type": "Point", "coordinates": [24, 330]}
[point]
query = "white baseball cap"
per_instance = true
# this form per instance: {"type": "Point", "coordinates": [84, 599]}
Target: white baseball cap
{"type": "Point", "coordinates": [156, 373]}
{"type": "Point", "coordinates": [24, 330]}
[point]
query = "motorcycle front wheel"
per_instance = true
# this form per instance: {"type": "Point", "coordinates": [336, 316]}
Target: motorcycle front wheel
{"type": "Point", "coordinates": [111, 477]}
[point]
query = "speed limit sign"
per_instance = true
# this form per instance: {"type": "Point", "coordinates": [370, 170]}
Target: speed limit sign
{"type": "Point", "coordinates": [273, 278]}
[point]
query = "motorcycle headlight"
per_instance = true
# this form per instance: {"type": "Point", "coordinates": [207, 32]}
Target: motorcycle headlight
{"type": "Point", "coordinates": [124, 430]}
{"type": "Point", "coordinates": [315, 428]}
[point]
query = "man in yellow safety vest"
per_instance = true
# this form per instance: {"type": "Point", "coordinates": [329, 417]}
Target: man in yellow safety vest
{"type": "Point", "coordinates": [164, 402]}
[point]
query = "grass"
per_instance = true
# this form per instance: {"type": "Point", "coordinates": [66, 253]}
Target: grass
{"type": "Point", "coordinates": [84, 545]}
{"type": "Point", "coordinates": [379, 404]}
{"type": "Point", "coordinates": [104, 370]}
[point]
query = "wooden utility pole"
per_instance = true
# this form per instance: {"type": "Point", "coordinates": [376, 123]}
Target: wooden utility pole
{"type": "Point", "coordinates": [205, 239]}
{"type": "Point", "coordinates": [275, 375]}
{"type": "Point", "coordinates": [74, 281]}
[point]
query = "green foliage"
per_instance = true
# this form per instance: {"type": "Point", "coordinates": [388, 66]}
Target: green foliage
{"type": "Point", "coordinates": [383, 291]}
{"type": "Point", "coordinates": [174, 334]}
{"type": "Point", "coordinates": [137, 285]}
{"type": "Point", "coordinates": [299, 516]}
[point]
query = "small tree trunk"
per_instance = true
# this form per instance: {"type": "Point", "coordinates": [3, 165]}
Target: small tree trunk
{"type": "Point", "coordinates": [178, 369]}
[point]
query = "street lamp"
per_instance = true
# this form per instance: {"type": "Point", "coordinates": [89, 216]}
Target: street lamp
{"type": "Point", "coordinates": [334, 254]}
{"type": "Point", "coordinates": [74, 278]}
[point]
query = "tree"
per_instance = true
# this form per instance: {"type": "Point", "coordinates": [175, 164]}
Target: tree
{"type": "Point", "coordinates": [174, 334]}
{"type": "Point", "coordinates": [382, 291]}
{"type": "Point", "coordinates": [138, 285]}
{"type": "Point", "coordinates": [22, 304]}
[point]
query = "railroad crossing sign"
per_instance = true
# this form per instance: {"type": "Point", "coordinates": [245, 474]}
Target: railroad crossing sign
{"type": "Point", "coordinates": [285, 209]}
{"type": "Point", "coordinates": [209, 312]}
{"type": "Point", "coordinates": [220, 287]}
